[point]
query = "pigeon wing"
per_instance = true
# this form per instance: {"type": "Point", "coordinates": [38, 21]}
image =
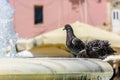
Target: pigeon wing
{"type": "Point", "coordinates": [77, 42]}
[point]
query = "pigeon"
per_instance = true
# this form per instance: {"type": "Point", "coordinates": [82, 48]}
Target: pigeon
{"type": "Point", "coordinates": [100, 47]}
{"type": "Point", "coordinates": [93, 49]}
{"type": "Point", "coordinates": [74, 44]}
{"type": "Point", "coordinates": [97, 49]}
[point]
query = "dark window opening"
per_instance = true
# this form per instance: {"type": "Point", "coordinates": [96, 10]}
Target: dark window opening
{"type": "Point", "coordinates": [38, 14]}
{"type": "Point", "coordinates": [113, 15]}
{"type": "Point", "coordinates": [117, 15]}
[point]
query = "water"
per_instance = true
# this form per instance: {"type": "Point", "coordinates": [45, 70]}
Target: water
{"type": "Point", "coordinates": [8, 36]}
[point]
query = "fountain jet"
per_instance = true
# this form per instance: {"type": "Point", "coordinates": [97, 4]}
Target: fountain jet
{"type": "Point", "coordinates": [8, 36]}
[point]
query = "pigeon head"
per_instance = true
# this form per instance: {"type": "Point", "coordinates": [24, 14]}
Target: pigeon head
{"type": "Point", "coordinates": [67, 27]}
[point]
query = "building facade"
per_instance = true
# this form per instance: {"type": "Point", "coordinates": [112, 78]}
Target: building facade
{"type": "Point", "coordinates": [114, 15]}
{"type": "Point", "coordinates": [34, 17]}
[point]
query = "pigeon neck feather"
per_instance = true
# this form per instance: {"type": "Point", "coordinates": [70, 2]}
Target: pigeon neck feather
{"type": "Point", "coordinates": [70, 34]}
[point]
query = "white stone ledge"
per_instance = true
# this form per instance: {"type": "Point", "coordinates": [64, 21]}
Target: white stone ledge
{"type": "Point", "coordinates": [25, 44]}
{"type": "Point", "coordinates": [54, 69]}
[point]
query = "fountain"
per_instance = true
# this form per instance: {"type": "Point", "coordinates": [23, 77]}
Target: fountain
{"type": "Point", "coordinates": [42, 68]}
{"type": "Point", "coordinates": [8, 37]}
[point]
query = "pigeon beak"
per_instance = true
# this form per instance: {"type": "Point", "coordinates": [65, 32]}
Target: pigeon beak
{"type": "Point", "coordinates": [63, 28]}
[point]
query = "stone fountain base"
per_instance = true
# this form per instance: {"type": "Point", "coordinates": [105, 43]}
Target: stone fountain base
{"type": "Point", "coordinates": [54, 69]}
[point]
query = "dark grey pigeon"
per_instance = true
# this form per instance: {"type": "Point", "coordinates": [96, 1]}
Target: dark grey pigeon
{"type": "Point", "coordinates": [97, 49]}
{"type": "Point", "coordinates": [74, 44]}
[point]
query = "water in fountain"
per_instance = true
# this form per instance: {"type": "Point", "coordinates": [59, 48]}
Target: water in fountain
{"type": "Point", "coordinates": [8, 36]}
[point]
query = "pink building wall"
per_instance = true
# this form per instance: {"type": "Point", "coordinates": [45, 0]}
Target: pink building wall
{"type": "Point", "coordinates": [97, 12]}
{"type": "Point", "coordinates": [56, 13]}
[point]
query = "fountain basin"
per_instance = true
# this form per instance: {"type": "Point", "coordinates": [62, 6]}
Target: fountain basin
{"type": "Point", "coordinates": [54, 69]}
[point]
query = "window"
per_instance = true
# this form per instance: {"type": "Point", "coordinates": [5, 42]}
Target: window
{"type": "Point", "coordinates": [116, 15]}
{"type": "Point", "coordinates": [113, 15]}
{"type": "Point", "coordinates": [38, 14]}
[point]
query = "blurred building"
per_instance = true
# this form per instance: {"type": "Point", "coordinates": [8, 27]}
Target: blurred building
{"type": "Point", "coordinates": [34, 17]}
{"type": "Point", "coordinates": [114, 15]}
